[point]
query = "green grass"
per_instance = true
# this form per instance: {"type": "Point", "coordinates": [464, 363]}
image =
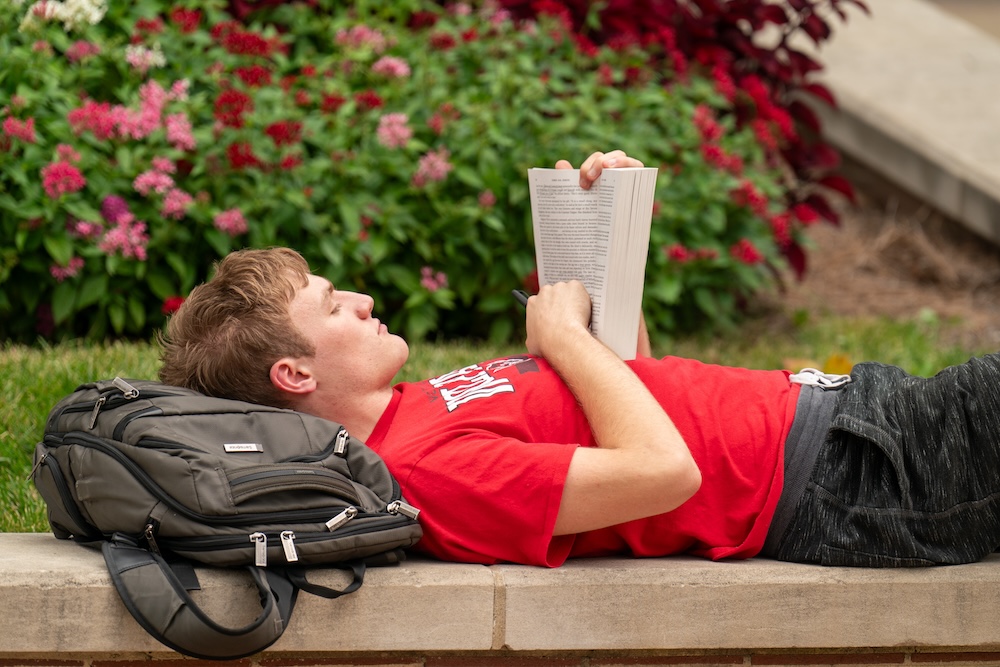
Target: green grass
{"type": "Point", "coordinates": [35, 378]}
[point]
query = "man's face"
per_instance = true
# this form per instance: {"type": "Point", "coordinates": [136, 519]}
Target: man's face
{"type": "Point", "coordinates": [353, 349]}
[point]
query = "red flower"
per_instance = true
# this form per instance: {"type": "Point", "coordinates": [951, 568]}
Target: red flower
{"type": "Point", "coordinates": [746, 252]}
{"type": "Point", "coordinates": [470, 35]}
{"type": "Point", "coordinates": [241, 156]}
{"type": "Point", "coordinates": [284, 132]}
{"type": "Point", "coordinates": [171, 304]}
{"type": "Point", "coordinates": [749, 196]}
{"type": "Point", "coordinates": [254, 76]}
{"type": "Point", "coordinates": [443, 41]}
{"type": "Point", "coordinates": [677, 253]}
{"type": "Point", "coordinates": [805, 213]}
{"type": "Point", "coordinates": [290, 162]}
{"type": "Point", "coordinates": [332, 102]}
{"type": "Point", "coordinates": [368, 99]}
{"type": "Point", "coordinates": [152, 26]}
{"type": "Point", "coordinates": [422, 19]}
{"type": "Point", "coordinates": [781, 228]}
{"type": "Point", "coordinates": [236, 40]}
{"type": "Point", "coordinates": [230, 107]}
{"type": "Point", "coordinates": [187, 20]}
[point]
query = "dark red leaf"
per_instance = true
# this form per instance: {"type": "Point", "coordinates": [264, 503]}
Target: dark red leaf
{"type": "Point", "coordinates": [816, 28]}
{"type": "Point", "coordinates": [802, 113]}
{"type": "Point", "coordinates": [822, 92]}
{"type": "Point", "coordinates": [773, 14]}
{"type": "Point", "coordinates": [822, 206]}
{"type": "Point", "coordinates": [841, 185]}
{"type": "Point", "coordinates": [796, 259]}
{"type": "Point", "coordinates": [862, 5]}
{"type": "Point", "coordinates": [802, 63]}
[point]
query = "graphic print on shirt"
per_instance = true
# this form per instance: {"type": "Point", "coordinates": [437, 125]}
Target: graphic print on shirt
{"type": "Point", "coordinates": [476, 381]}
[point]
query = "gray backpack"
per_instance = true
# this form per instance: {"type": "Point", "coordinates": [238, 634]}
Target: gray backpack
{"type": "Point", "coordinates": [159, 476]}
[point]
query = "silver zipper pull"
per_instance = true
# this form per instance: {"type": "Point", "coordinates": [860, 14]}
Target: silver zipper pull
{"type": "Point", "coordinates": [342, 518]}
{"type": "Point", "coordinates": [259, 549]}
{"type": "Point", "coordinates": [288, 544]}
{"type": "Point", "coordinates": [340, 446]}
{"type": "Point", "coordinates": [127, 390]}
{"type": "Point", "coordinates": [98, 404]}
{"type": "Point", "coordinates": [400, 507]}
{"type": "Point", "coordinates": [151, 538]}
{"type": "Point", "coordinates": [38, 464]}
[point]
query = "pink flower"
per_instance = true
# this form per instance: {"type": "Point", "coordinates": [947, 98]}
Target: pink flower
{"type": "Point", "coordinates": [433, 166]}
{"type": "Point", "coordinates": [179, 132]}
{"type": "Point", "coordinates": [487, 199]}
{"type": "Point", "coordinates": [746, 252]}
{"type": "Point", "coordinates": [114, 208]}
{"type": "Point", "coordinates": [179, 90]}
{"type": "Point", "coordinates": [80, 50]}
{"type": "Point", "coordinates": [392, 67]}
{"type": "Point", "coordinates": [361, 36]}
{"type": "Point", "coordinates": [84, 229]}
{"type": "Point", "coordinates": [231, 222]}
{"type": "Point", "coordinates": [128, 237]}
{"type": "Point", "coordinates": [152, 181]}
{"type": "Point", "coordinates": [432, 281]}
{"type": "Point", "coordinates": [61, 273]}
{"type": "Point", "coordinates": [175, 204]}
{"type": "Point", "coordinates": [67, 153]}
{"type": "Point", "coordinates": [164, 165]}
{"type": "Point", "coordinates": [97, 117]}
{"type": "Point", "coordinates": [59, 178]}
{"type": "Point", "coordinates": [20, 129]}
{"type": "Point", "coordinates": [392, 130]}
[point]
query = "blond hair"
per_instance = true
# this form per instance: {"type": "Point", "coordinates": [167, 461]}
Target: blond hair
{"type": "Point", "coordinates": [230, 330]}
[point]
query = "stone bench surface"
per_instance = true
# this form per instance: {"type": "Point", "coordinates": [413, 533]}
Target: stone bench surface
{"type": "Point", "coordinates": [58, 599]}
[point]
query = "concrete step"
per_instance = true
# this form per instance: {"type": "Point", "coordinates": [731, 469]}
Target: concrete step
{"type": "Point", "coordinates": [919, 103]}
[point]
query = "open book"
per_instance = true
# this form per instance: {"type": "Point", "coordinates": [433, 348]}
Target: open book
{"type": "Point", "coordinates": [599, 237]}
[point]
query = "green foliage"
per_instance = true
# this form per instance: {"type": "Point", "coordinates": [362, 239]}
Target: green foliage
{"type": "Point", "coordinates": [274, 138]}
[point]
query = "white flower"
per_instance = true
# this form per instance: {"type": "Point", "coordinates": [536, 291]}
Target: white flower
{"type": "Point", "coordinates": [142, 58]}
{"type": "Point", "coordinates": [71, 13]}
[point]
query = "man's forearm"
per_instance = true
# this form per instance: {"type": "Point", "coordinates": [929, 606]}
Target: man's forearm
{"type": "Point", "coordinates": [654, 468]}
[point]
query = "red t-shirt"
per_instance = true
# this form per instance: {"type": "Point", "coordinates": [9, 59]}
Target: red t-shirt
{"type": "Point", "coordinates": [484, 451]}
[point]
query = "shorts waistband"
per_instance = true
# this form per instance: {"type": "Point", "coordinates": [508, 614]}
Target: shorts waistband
{"type": "Point", "coordinates": [813, 415]}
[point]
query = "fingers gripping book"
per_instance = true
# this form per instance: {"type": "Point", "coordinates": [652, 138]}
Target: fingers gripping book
{"type": "Point", "coordinates": [600, 237]}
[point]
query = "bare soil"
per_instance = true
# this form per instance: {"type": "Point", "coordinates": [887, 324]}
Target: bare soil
{"type": "Point", "coordinates": [897, 257]}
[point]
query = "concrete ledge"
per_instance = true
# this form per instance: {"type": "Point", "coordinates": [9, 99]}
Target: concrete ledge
{"type": "Point", "coordinates": [60, 605]}
{"type": "Point", "coordinates": [918, 103]}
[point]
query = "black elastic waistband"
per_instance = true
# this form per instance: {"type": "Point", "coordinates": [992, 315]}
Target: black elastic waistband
{"type": "Point", "coordinates": [813, 415]}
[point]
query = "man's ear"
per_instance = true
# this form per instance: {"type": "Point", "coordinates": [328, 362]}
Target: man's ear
{"type": "Point", "coordinates": [292, 375]}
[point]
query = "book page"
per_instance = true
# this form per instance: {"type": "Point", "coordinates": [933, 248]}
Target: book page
{"type": "Point", "coordinates": [599, 236]}
{"type": "Point", "coordinates": [572, 232]}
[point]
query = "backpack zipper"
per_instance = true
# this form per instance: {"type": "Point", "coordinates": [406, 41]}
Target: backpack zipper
{"type": "Point", "coordinates": [287, 516]}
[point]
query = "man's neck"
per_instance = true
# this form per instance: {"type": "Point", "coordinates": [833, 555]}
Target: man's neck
{"type": "Point", "coordinates": [358, 415]}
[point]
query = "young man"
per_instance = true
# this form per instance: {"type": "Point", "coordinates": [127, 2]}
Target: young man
{"type": "Point", "coordinates": [569, 451]}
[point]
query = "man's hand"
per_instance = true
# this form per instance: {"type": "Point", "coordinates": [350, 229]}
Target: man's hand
{"type": "Point", "coordinates": [553, 313]}
{"type": "Point", "coordinates": [592, 167]}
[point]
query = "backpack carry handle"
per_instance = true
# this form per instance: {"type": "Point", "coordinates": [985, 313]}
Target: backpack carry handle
{"type": "Point", "coordinates": [158, 601]}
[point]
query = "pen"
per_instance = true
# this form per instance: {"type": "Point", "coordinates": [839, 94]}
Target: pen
{"type": "Point", "coordinates": [521, 296]}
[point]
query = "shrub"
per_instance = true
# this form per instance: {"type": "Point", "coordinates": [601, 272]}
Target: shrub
{"type": "Point", "coordinates": [390, 148]}
{"type": "Point", "coordinates": [748, 48]}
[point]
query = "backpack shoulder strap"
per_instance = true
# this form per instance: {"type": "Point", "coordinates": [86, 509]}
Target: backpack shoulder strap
{"type": "Point", "coordinates": [159, 602]}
